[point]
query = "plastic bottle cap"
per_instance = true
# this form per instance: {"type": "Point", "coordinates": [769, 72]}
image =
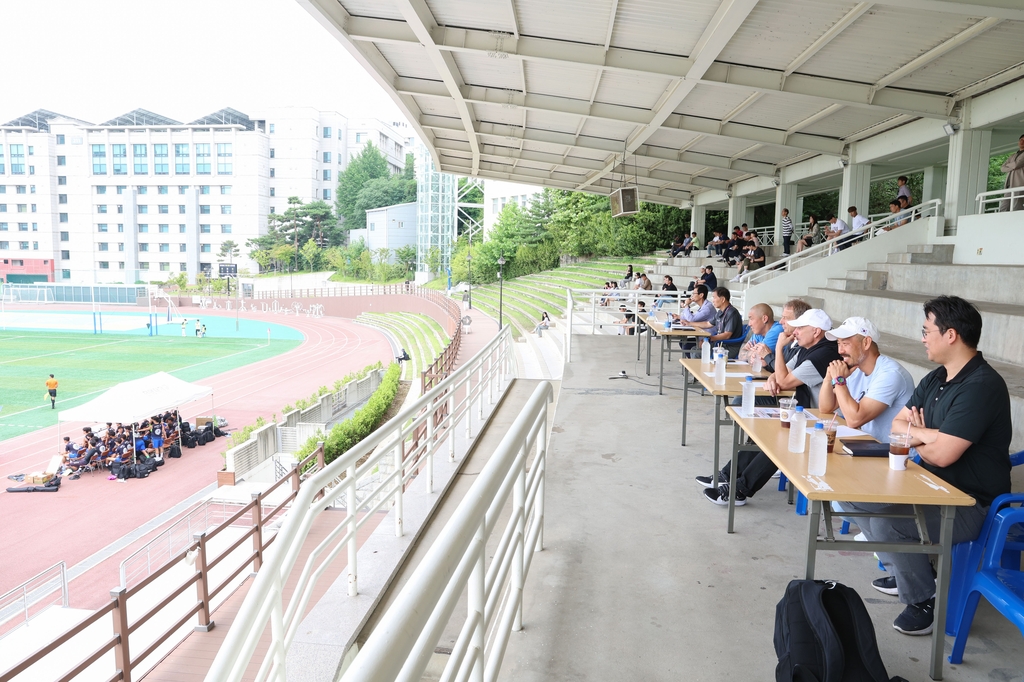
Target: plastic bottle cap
{"type": "Point", "coordinates": [751, 379]}
{"type": "Point", "coordinates": [799, 408]}
{"type": "Point", "coordinates": [819, 427]}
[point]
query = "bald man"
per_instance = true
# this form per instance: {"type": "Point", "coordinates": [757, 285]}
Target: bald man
{"type": "Point", "coordinates": [764, 329]}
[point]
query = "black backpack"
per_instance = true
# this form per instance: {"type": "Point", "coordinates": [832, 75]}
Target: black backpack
{"type": "Point", "coordinates": [174, 451]}
{"type": "Point", "coordinates": [823, 633]}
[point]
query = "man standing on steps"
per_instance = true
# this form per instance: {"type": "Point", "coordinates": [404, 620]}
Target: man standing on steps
{"type": "Point", "coordinates": [959, 422]}
{"type": "Point", "coordinates": [51, 389]}
{"type": "Point", "coordinates": [1014, 169]}
{"type": "Point", "coordinates": [787, 231]}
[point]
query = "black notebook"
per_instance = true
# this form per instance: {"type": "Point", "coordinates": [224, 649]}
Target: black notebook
{"type": "Point", "coordinates": [866, 448]}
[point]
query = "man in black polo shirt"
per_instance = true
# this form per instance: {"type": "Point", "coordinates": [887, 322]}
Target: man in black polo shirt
{"type": "Point", "coordinates": [728, 323]}
{"type": "Point", "coordinates": [959, 422]}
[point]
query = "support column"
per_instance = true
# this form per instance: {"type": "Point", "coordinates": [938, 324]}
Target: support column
{"type": "Point", "coordinates": [748, 217]}
{"type": "Point", "coordinates": [934, 183]}
{"type": "Point", "coordinates": [855, 190]}
{"type": "Point", "coordinates": [785, 197]}
{"type": "Point", "coordinates": [698, 216]}
{"type": "Point", "coordinates": [798, 217]}
{"type": "Point", "coordinates": [737, 212]}
{"type": "Point", "coordinates": [967, 175]}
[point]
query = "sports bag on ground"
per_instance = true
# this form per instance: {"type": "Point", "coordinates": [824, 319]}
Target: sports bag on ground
{"type": "Point", "coordinates": [823, 633]}
{"type": "Point", "coordinates": [174, 451]}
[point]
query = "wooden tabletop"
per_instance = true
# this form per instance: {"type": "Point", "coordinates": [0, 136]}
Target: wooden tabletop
{"type": "Point", "coordinates": [659, 326]}
{"type": "Point", "coordinates": [853, 479]}
{"type": "Point", "coordinates": [733, 385]}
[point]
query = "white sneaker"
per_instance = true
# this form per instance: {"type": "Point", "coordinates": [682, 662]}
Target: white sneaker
{"type": "Point", "coordinates": [735, 279]}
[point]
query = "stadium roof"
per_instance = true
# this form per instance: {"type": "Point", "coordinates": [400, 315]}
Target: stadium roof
{"type": "Point", "coordinates": [226, 116]}
{"type": "Point", "coordinates": [38, 119]}
{"type": "Point", "coordinates": [140, 117]}
{"type": "Point", "coordinates": [696, 94]}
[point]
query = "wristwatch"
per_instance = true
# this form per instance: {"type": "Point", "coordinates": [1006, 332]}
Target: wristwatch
{"type": "Point", "coordinates": [838, 381]}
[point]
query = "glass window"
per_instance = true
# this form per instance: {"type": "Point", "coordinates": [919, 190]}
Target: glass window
{"type": "Point", "coordinates": [204, 189]}
{"type": "Point", "coordinates": [99, 159]}
{"type": "Point", "coordinates": [143, 247]}
{"type": "Point", "coordinates": [182, 189]}
{"type": "Point", "coordinates": [202, 158]}
{"type": "Point", "coordinates": [271, 152]}
{"type": "Point", "coordinates": [165, 247]}
{"type": "Point", "coordinates": [160, 166]}
{"type": "Point", "coordinates": [65, 236]}
{"type": "Point", "coordinates": [327, 174]}
{"type": "Point", "coordinates": [181, 208]}
{"type": "Point", "coordinates": [205, 248]}
{"type": "Point", "coordinates": [225, 210]}
{"type": "Point", "coordinates": [104, 265]}
{"type": "Point", "coordinates": [327, 157]}
{"type": "Point", "coordinates": [271, 172]}
{"type": "Point", "coordinates": [120, 208]}
{"type": "Point", "coordinates": [327, 195]}
{"type": "Point", "coordinates": [141, 157]}
{"type": "Point", "coordinates": [101, 189]}
{"type": "Point", "coordinates": [204, 209]}
{"type": "Point", "coordinates": [120, 153]}
{"type": "Point", "coordinates": [121, 189]}
{"type": "Point", "coordinates": [181, 229]}
{"type": "Point", "coordinates": [65, 274]}
{"type": "Point", "coordinates": [183, 266]}
{"type": "Point", "coordinates": [18, 159]}
{"type": "Point", "coordinates": [143, 228]}
{"type": "Point", "coordinates": [271, 128]}
{"type": "Point", "coordinates": [165, 267]}
{"type": "Point", "coordinates": [327, 131]}
{"type": "Point", "coordinates": [65, 255]}
{"type": "Point", "coordinates": [225, 189]}
{"type": "Point", "coordinates": [22, 208]}
{"type": "Point", "coordinates": [102, 208]}
{"type": "Point", "coordinates": [63, 217]}
{"type": "Point", "coordinates": [60, 139]}
{"type": "Point", "coordinates": [120, 246]}
{"type": "Point", "coordinates": [143, 266]}
{"type": "Point", "coordinates": [3, 208]}
{"type": "Point", "coordinates": [23, 246]}
{"type": "Point", "coordinates": [161, 189]}
{"type": "Point", "coordinates": [360, 137]}
{"type": "Point", "coordinates": [182, 248]}
{"type": "Point", "coordinates": [5, 245]}
{"type": "Point", "coordinates": [205, 229]}
{"type": "Point", "coordinates": [225, 229]}
{"type": "Point", "coordinates": [143, 210]}
{"type": "Point", "coordinates": [143, 189]}
{"type": "Point", "coordinates": [101, 227]}
{"type": "Point", "coordinates": [165, 228]}
{"type": "Point", "coordinates": [272, 192]}
{"type": "Point", "coordinates": [61, 161]}
{"type": "Point", "coordinates": [3, 227]}
{"type": "Point", "coordinates": [120, 227]}
{"type": "Point", "coordinates": [163, 208]}
{"type": "Point", "coordinates": [181, 165]}
{"type": "Point", "coordinates": [104, 246]}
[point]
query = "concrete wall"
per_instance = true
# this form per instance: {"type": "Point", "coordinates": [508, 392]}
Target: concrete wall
{"type": "Point", "coordinates": [989, 239]}
{"type": "Point", "coordinates": [816, 271]}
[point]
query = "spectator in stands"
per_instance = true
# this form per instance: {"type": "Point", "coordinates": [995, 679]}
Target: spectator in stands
{"type": "Point", "coordinates": [676, 247]}
{"type": "Point", "coordinates": [764, 330]}
{"type": "Point", "coordinates": [694, 244]}
{"type": "Point", "coordinates": [838, 229]}
{"type": "Point", "coordinates": [1014, 169]}
{"type": "Point", "coordinates": [754, 260]}
{"type": "Point", "coordinates": [734, 248]}
{"type": "Point", "coordinates": [790, 311]}
{"type": "Point", "coordinates": [812, 236]}
{"type": "Point", "coordinates": [894, 209]}
{"type": "Point", "coordinates": [710, 280]}
{"type": "Point", "coordinates": [868, 389]}
{"type": "Point", "coordinates": [667, 285]}
{"type": "Point", "coordinates": [643, 283]}
{"type": "Point", "coordinates": [545, 323]}
{"type": "Point", "coordinates": [787, 231]}
{"type": "Point", "coordinates": [804, 374]}
{"type": "Point", "coordinates": [629, 274]}
{"type": "Point", "coordinates": [959, 422]}
{"type": "Point", "coordinates": [728, 323]}
{"type": "Point", "coordinates": [904, 189]}
{"type": "Point", "coordinates": [698, 308]}
{"type": "Point", "coordinates": [716, 244]}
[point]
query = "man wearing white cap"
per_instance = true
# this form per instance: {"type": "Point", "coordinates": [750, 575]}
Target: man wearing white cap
{"type": "Point", "coordinates": [867, 388]}
{"type": "Point", "coordinates": [803, 374]}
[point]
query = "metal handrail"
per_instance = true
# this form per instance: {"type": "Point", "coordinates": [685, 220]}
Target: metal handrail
{"type": "Point", "coordinates": [403, 641]}
{"type": "Point", "coordinates": [386, 448]}
{"type": "Point", "coordinates": [20, 599]}
{"type": "Point", "coordinates": [870, 231]}
{"type": "Point", "coordinates": [991, 202]}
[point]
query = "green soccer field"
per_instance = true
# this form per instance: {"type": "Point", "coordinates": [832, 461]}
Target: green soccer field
{"type": "Point", "coordinates": [86, 365]}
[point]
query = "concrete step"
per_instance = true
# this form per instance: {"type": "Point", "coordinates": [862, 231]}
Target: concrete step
{"type": "Point", "coordinates": [911, 354]}
{"type": "Point", "coordinates": [846, 284]}
{"type": "Point", "coordinates": [901, 314]}
{"type": "Point", "coordinates": [994, 283]}
{"type": "Point", "coordinates": [924, 253]}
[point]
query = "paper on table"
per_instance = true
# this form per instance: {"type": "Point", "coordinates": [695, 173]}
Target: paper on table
{"type": "Point", "coordinates": [729, 374]}
{"type": "Point", "coordinates": [847, 432]}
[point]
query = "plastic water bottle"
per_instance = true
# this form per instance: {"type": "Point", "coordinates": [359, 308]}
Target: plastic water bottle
{"type": "Point", "coordinates": [817, 458]}
{"type": "Point", "coordinates": [705, 353]}
{"type": "Point", "coordinates": [798, 430]}
{"type": "Point", "coordinates": [720, 368]}
{"type": "Point", "coordinates": [668, 323]}
{"type": "Point", "coordinates": [747, 406]}
{"type": "Point", "coordinates": [756, 364]}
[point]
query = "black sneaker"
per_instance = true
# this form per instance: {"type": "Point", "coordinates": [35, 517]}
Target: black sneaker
{"type": "Point", "coordinates": [706, 481]}
{"type": "Point", "coordinates": [916, 619]}
{"type": "Point", "coordinates": [720, 496]}
{"type": "Point", "coordinates": [886, 585]}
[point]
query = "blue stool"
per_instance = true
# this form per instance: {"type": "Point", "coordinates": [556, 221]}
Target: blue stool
{"type": "Point", "coordinates": [801, 501]}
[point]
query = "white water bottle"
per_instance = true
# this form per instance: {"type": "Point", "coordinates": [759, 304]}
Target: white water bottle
{"type": "Point", "coordinates": [755, 363]}
{"type": "Point", "coordinates": [798, 430]}
{"type": "Point", "coordinates": [817, 458]}
{"type": "Point", "coordinates": [747, 406]}
{"type": "Point", "coordinates": [705, 353]}
{"type": "Point", "coordinates": [720, 368]}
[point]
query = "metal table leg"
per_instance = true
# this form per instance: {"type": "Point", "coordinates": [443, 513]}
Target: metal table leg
{"type": "Point", "coordinates": [686, 396]}
{"type": "Point", "coordinates": [941, 592]}
{"type": "Point", "coordinates": [661, 366]}
{"type": "Point", "coordinates": [736, 437]}
{"type": "Point", "coordinates": [648, 335]}
{"type": "Point", "coordinates": [718, 434]}
{"type": "Point", "coordinates": [813, 521]}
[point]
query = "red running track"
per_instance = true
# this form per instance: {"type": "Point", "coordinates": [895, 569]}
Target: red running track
{"type": "Point", "coordinates": [39, 529]}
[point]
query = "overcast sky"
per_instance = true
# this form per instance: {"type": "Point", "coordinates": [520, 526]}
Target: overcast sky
{"type": "Point", "coordinates": [97, 59]}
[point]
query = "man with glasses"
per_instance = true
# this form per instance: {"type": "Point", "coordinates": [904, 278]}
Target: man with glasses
{"type": "Point", "coordinates": [958, 419]}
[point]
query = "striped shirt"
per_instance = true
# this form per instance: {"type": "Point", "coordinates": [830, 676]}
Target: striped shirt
{"type": "Point", "coordinates": [787, 226]}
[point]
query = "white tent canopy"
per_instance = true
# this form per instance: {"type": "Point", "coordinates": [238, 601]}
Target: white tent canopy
{"type": "Point", "coordinates": [133, 401]}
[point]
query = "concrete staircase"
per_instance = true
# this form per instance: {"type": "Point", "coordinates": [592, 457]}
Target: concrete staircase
{"type": "Point", "coordinates": [891, 294]}
{"type": "Point", "coordinates": [683, 268]}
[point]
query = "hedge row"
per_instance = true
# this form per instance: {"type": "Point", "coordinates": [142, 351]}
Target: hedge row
{"type": "Point", "coordinates": [348, 433]}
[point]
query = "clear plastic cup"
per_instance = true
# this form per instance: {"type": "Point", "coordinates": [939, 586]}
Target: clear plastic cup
{"type": "Point", "coordinates": [786, 408]}
{"type": "Point", "coordinates": [899, 451]}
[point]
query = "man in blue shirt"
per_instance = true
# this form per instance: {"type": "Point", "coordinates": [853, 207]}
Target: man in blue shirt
{"type": "Point", "coordinates": [763, 327]}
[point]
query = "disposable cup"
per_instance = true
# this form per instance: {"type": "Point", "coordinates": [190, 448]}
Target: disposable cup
{"type": "Point", "coordinates": [786, 407]}
{"type": "Point", "coordinates": [898, 462]}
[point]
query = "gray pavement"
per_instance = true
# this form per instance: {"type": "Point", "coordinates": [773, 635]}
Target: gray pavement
{"type": "Point", "coordinates": [639, 579]}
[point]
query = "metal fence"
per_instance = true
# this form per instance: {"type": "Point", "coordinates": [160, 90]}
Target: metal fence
{"type": "Point", "coordinates": [26, 601]}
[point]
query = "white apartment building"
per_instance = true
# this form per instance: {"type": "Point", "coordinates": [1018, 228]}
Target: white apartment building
{"type": "Point", "coordinates": [142, 197]}
{"type": "Point", "coordinates": [389, 138]}
{"type": "Point", "coordinates": [497, 193]}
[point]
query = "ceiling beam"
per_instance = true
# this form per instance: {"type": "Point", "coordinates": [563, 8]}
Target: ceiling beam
{"type": "Point", "coordinates": [807, 88]}
{"type": "Point", "coordinates": [419, 18]}
{"type": "Point", "coordinates": [826, 37]}
{"type": "Point", "coordinates": [992, 82]}
{"type": "Point", "coordinates": [1002, 9]}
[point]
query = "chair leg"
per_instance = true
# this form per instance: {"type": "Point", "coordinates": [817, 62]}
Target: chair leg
{"type": "Point", "coordinates": [963, 566]}
{"type": "Point", "coordinates": [782, 481]}
{"type": "Point", "coordinates": [801, 504]}
{"type": "Point", "coordinates": [970, 605]}
{"type": "Point", "coordinates": [845, 528]}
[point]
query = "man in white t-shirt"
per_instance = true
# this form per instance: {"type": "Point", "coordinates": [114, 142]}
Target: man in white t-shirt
{"type": "Point", "coordinates": [838, 228]}
{"type": "Point", "coordinates": [867, 388]}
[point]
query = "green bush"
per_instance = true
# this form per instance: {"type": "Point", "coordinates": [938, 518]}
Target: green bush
{"type": "Point", "coordinates": [361, 424]}
{"type": "Point", "coordinates": [242, 435]}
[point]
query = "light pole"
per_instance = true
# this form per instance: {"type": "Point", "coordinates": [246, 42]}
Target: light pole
{"type": "Point", "coordinates": [469, 268]}
{"type": "Point", "coordinates": [501, 287]}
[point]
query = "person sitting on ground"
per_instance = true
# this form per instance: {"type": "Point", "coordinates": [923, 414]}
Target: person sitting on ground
{"type": "Point", "coordinates": [545, 323]}
{"type": "Point", "coordinates": [754, 260]}
{"type": "Point", "coordinates": [813, 235]}
{"type": "Point", "coordinates": [728, 323]}
{"type": "Point", "coordinates": [694, 244]}
{"type": "Point", "coordinates": [1014, 169]}
{"type": "Point", "coordinates": [802, 374]}
{"type": "Point", "coordinates": [959, 422]}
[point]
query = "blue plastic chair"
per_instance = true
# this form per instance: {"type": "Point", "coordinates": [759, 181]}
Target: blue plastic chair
{"type": "Point", "coordinates": [735, 344]}
{"type": "Point", "coordinates": [801, 501]}
{"type": "Point", "coordinates": [1002, 587]}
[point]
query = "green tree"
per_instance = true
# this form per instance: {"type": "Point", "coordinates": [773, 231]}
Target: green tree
{"type": "Point", "coordinates": [367, 165]}
{"type": "Point", "coordinates": [996, 177]}
{"type": "Point", "coordinates": [319, 223]}
{"type": "Point", "coordinates": [434, 260]}
{"type": "Point", "coordinates": [406, 257]}
{"type": "Point", "coordinates": [229, 250]}
{"type": "Point", "coordinates": [311, 254]}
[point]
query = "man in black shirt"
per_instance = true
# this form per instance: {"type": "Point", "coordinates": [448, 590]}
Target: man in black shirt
{"type": "Point", "coordinates": [959, 422]}
{"type": "Point", "coordinates": [728, 323]}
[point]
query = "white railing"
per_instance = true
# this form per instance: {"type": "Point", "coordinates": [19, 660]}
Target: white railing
{"type": "Point", "coordinates": [408, 443]}
{"type": "Point", "coordinates": [999, 200]}
{"type": "Point", "coordinates": [600, 308]}
{"type": "Point", "coordinates": [27, 600]}
{"type": "Point", "coordinates": [871, 230]}
{"type": "Point", "coordinates": [404, 640]}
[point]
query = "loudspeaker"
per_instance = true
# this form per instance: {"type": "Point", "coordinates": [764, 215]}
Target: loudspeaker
{"type": "Point", "coordinates": [624, 201]}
